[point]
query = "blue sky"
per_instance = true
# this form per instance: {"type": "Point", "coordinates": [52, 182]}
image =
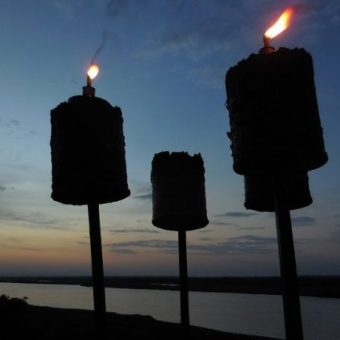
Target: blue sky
{"type": "Point", "coordinates": [163, 62]}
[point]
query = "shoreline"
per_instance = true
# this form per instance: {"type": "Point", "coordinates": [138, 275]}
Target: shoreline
{"type": "Point", "coordinates": [24, 321]}
{"type": "Point", "coordinates": [313, 286]}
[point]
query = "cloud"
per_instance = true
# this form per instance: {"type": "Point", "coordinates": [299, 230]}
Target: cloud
{"type": "Point", "coordinates": [236, 214]}
{"type": "Point", "coordinates": [303, 221]}
{"type": "Point", "coordinates": [241, 245]}
{"type": "Point", "coordinates": [206, 239]}
{"type": "Point", "coordinates": [158, 244]}
{"type": "Point", "coordinates": [10, 126]}
{"type": "Point", "coordinates": [210, 32]}
{"type": "Point", "coordinates": [2, 187]}
{"type": "Point", "coordinates": [166, 246]}
{"type": "Point", "coordinates": [18, 244]}
{"type": "Point", "coordinates": [222, 223]}
{"type": "Point", "coordinates": [84, 243]}
{"type": "Point", "coordinates": [141, 221]}
{"type": "Point", "coordinates": [201, 29]}
{"type": "Point", "coordinates": [213, 32]}
{"type": "Point", "coordinates": [145, 196]}
{"type": "Point", "coordinates": [14, 122]}
{"type": "Point", "coordinates": [142, 190]}
{"type": "Point", "coordinates": [24, 248]}
{"type": "Point", "coordinates": [247, 244]}
{"type": "Point", "coordinates": [123, 251]}
{"type": "Point", "coordinates": [252, 228]}
{"type": "Point", "coordinates": [135, 230]}
{"type": "Point", "coordinates": [34, 219]}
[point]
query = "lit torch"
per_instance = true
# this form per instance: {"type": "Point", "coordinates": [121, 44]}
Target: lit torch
{"type": "Point", "coordinates": [276, 138]}
{"type": "Point", "coordinates": [89, 168]}
{"type": "Point", "coordinates": [92, 73]}
{"type": "Point", "coordinates": [279, 26]}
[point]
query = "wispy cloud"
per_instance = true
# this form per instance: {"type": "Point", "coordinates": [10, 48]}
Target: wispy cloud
{"type": "Point", "coordinates": [19, 244]}
{"type": "Point", "coordinates": [33, 219]}
{"type": "Point", "coordinates": [9, 126]}
{"type": "Point", "coordinates": [142, 190]}
{"type": "Point", "coordinates": [303, 221]}
{"type": "Point", "coordinates": [201, 28]}
{"type": "Point", "coordinates": [123, 251]}
{"type": "Point", "coordinates": [84, 243]}
{"type": "Point", "coordinates": [13, 122]}
{"type": "Point", "coordinates": [206, 239]}
{"type": "Point", "coordinates": [134, 230]}
{"type": "Point", "coordinates": [247, 244]}
{"type": "Point", "coordinates": [166, 246]}
{"type": "Point", "coordinates": [237, 214]}
{"type": "Point", "coordinates": [24, 248]}
{"type": "Point", "coordinates": [222, 223]}
{"type": "Point", "coordinates": [145, 196]}
{"type": "Point", "coordinates": [241, 245]}
{"type": "Point", "coordinates": [253, 228]}
{"type": "Point", "coordinates": [216, 30]}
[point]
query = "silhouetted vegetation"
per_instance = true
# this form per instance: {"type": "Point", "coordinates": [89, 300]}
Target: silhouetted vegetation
{"type": "Point", "coordinates": [12, 309]}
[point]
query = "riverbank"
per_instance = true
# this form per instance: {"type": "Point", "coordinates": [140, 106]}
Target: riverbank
{"type": "Point", "coordinates": [23, 321]}
{"type": "Point", "coordinates": [317, 286]}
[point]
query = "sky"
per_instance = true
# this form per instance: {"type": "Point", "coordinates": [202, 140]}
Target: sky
{"type": "Point", "coordinates": [163, 62]}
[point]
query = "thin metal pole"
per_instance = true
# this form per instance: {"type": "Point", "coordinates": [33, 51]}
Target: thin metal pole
{"type": "Point", "coordinates": [289, 278]}
{"type": "Point", "coordinates": [97, 266]}
{"type": "Point", "coordinates": [183, 273]}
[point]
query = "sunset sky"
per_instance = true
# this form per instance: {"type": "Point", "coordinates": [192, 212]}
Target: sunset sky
{"type": "Point", "coordinates": [163, 62]}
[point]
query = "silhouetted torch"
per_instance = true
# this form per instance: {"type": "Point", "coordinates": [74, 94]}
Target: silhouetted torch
{"type": "Point", "coordinates": [88, 167]}
{"type": "Point", "coordinates": [276, 138]}
{"type": "Point", "coordinates": [178, 196]}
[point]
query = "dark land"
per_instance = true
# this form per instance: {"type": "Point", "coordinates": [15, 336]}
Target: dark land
{"type": "Point", "coordinates": [19, 320]}
{"type": "Point", "coordinates": [318, 286]}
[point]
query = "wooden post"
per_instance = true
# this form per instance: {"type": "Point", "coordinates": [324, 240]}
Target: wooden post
{"type": "Point", "coordinates": [97, 266]}
{"type": "Point", "coordinates": [289, 278]}
{"type": "Point", "coordinates": [183, 273]}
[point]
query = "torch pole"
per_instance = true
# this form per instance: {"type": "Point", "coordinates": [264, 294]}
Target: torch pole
{"type": "Point", "coordinates": [289, 278]}
{"type": "Point", "coordinates": [97, 266]}
{"type": "Point", "coordinates": [183, 275]}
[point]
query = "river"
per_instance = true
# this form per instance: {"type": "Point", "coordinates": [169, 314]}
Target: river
{"type": "Point", "coordinates": [255, 314]}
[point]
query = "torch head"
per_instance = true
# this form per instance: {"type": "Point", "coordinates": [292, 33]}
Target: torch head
{"type": "Point", "coordinates": [266, 49]}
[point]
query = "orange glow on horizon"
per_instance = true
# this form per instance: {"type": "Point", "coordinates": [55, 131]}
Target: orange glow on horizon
{"type": "Point", "coordinates": [281, 24]}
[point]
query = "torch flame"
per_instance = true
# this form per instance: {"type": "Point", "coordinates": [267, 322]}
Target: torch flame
{"type": "Point", "coordinates": [280, 25]}
{"type": "Point", "coordinates": [93, 71]}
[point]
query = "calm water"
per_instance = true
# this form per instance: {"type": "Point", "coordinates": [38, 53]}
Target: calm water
{"type": "Point", "coordinates": [239, 313]}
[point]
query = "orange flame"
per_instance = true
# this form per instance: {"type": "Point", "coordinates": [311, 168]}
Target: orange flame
{"type": "Point", "coordinates": [93, 71]}
{"type": "Point", "coordinates": [280, 25]}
